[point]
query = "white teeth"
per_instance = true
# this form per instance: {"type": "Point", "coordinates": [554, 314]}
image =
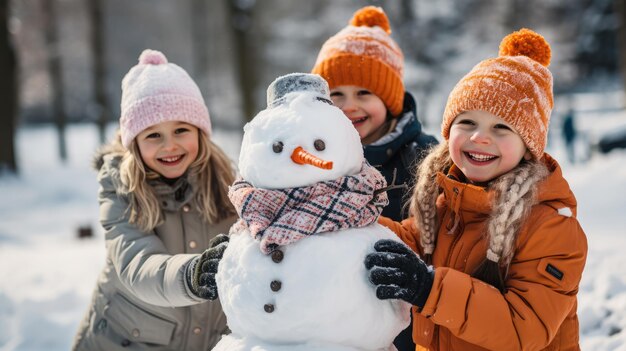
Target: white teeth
{"type": "Point", "coordinates": [480, 157]}
{"type": "Point", "coordinates": [171, 159]}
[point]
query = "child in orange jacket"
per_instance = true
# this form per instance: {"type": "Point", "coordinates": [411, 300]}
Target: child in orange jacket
{"type": "Point", "coordinates": [501, 253]}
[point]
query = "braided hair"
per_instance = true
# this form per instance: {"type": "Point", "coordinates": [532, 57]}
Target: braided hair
{"type": "Point", "coordinates": [514, 196]}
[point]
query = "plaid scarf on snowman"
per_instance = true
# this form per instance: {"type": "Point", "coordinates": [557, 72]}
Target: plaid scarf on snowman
{"type": "Point", "coordinates": [283, 216]}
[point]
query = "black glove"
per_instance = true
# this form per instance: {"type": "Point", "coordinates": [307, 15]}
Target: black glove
{"type": "Point", "coordinates": [201, 270]}
{"type": "Point", "coordinates": [399, 273]}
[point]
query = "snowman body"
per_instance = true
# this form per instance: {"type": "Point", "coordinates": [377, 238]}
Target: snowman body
{"type": "Point", "coordinates": [311, 295]}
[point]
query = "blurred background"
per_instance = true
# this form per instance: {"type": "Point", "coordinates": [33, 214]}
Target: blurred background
{"type": "Point", "coordinates": [62, 61]}
{"type": "Point", "coordinates": [61, 66]}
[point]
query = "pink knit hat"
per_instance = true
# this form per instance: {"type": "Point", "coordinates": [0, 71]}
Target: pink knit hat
{"type": "Point", "coordinates": [156, 91]}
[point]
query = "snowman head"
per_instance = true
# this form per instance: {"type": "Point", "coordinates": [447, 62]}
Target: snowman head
{"type": "Point", "coordinates": [300, 139]}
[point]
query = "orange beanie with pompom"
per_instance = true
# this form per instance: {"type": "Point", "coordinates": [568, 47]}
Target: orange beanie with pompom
{"type": "Point", "coordinates": [363, 54]}
{"type": "Point", "coordinates": [515, 86]}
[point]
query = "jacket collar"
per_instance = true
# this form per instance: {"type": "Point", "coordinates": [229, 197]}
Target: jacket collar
{"type": "Point", "coordinates": [407, 129]}
{"type": "Point", "coordinates": [462, 196]}
{"type": "Point", "coordinates": [172, 197]}
{"type": "Point", "coordinates": [554, 191]}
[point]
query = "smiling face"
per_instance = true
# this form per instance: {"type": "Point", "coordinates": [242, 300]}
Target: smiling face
{"type": "Point", "coordinates": [168, 148]}
{"type": "Point", "coordinates": [366, 111]}
{"type": "Point", "coordinates": [267, 158]}
{"type": "Point", "coordinates": [483, 146]}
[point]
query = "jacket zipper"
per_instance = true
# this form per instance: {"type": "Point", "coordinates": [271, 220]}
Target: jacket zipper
{"type": "Point", "coordinates": [457, 237]}
{"type": "Point", "coordinates": [436, 331]}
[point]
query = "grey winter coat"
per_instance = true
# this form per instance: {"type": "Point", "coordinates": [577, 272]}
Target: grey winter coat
{"type": "Point", "coordinates": [141, 300]}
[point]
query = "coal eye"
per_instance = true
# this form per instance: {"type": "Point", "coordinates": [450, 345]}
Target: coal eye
{"type": "Point", "coordinates": [278, 147]}
{"type": "Point", "coordinates": [319, 145]}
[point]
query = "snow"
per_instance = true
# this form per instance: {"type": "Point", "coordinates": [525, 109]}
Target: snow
{"type": "Point", "coordinates": [47, 274]}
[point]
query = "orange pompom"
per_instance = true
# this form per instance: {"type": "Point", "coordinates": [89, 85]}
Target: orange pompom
{"type": "Point", "coordinates": [526, 42]}
{"type": "Point", "coordinates": [371, 16]}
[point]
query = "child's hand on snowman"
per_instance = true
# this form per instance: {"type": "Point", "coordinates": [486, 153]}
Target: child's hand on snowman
{"type": "Point", "coordinates": [399, 273]}
{"type": "Point", "coordinates": [202, 269]}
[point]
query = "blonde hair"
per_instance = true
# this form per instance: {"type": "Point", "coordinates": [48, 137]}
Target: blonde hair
{"type": "Point", "coordinates": [514, 196]}
{"type": "Point", "coordinates": [425, 193]}
{"type": "Point", "coordinates": [212, 171]}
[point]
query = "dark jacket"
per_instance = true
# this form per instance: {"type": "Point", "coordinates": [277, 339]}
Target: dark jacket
{"type": "Point", "coordinates": [402, 150]}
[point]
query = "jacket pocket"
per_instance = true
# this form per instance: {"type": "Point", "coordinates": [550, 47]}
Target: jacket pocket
{"type": "Point", "coordinates": [137, 324]}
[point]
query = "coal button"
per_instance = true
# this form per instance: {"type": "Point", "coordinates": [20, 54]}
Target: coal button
{"type": "Point", "coordinates": [277, 256]}
{"type": "Point", "coordinates": [269, 308]}
{"type": "Point", "coordinates": [275, 285]}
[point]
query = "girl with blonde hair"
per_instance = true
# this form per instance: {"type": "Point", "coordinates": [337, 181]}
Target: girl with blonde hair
{"type": "Point", "coordinates": [163, 201]}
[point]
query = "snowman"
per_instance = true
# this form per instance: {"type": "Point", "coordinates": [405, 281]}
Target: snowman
{"type": "Point", "coordinates": [293, 277]}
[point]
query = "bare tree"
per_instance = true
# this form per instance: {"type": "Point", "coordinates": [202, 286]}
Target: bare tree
{"type": "Point", "coordinates": [516, 13]}
{"type": "Point", "coordinates": [407, 27]}
{"type": "Point", "coordinates": [55, 70]}
{"type": "Point", "coordinates": [8, 92]}
{"type": "Point", "coordinates": [621, 37]}
{"type": "Point", "coordinates": [199, 29]}
{"type": "Point", "coordinates": [241, 13]}
{"type": "Point", "coordinates": [101, 98]}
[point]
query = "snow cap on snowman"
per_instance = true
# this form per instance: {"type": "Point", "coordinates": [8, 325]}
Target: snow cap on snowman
{"type": "Point", "coordinates": [302, 141]}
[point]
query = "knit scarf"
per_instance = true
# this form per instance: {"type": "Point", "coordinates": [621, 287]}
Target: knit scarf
{"type": "Point", "coordinates": [283, 216]}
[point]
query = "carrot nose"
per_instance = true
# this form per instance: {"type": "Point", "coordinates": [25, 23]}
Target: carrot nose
{"type": "Point", "coordinates": [303, 157]}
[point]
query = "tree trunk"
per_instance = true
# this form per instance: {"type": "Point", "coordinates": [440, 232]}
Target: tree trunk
{"type": "Point", "coordinates": [8, 92]}
{"type": "Point", "coordinates": [408, 28]}
{"type": "Point", "coordinates": [517, 10]}
{"type": "Point", "coordinates": [199, 29]}
{"type": "Point", "coordinates": [241, 22]}
{"type": "Point", "coordinates": [99, 68]}
{"type": "Point", "coordinates": [621, 37]}
{"type": "Point", "coordinates": [55, 71]}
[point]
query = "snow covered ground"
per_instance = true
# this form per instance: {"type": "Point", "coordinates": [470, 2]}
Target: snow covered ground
{"type": "Point", "coordinates": [47, 274]}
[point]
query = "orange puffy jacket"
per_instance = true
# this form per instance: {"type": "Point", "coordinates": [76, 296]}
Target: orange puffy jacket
{"type": "Point", "coordinates": [538, 310]}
